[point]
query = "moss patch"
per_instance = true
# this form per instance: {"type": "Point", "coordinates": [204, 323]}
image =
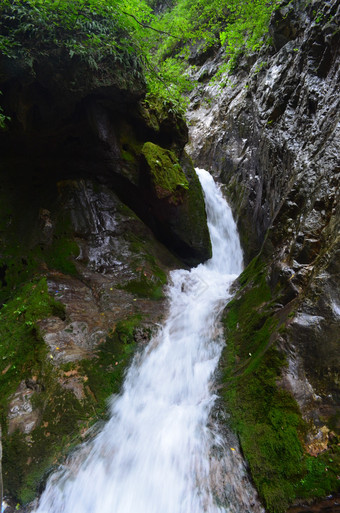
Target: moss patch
{"type": "Point", "coordinates": [322, 474]}
{"type": "Point", "coordinates": [167, 176]}
{"type": "Point", "coordinates": [22, 350]}
{"type": "Point", "coordinates": [150, 278]}
{"type": "Point", "coordinates": [161, 116]}
{"type": "Point", "coordinates": [63, 417]}
{"type": "Point", "coordinates": [23, 252]}
{"type": "Point", "coordinates": [145, 288]}
{"type": "Point", "coordinates": [266, 417]}
{"type": "Point", "coordinates": [26, 459]}
{"type": "Point", "coordinates": [60, 254]}
{"type": "Point", "coordinates": [22, 355]}
{"type": "Point", "coordinates": [149, 284]}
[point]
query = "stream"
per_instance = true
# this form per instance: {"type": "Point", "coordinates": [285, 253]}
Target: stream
{"type": "Point", "coordinates": [162, 451]}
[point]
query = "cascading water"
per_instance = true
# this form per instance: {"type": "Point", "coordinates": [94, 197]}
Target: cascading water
{"type": "Point", "coordinates": [158, 452]}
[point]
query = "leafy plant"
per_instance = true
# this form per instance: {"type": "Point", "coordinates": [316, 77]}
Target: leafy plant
{"type": "Point", "coordinates": [144, 37]}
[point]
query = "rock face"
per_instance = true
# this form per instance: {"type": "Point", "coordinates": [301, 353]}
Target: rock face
{"type": "Point", "coordinates": [73, 123]}
{"type": "Point", "coordinates": [104, 270]}
{"type": "Point", "coordinates": [81, 274]}
{"type": "Point", "coordinates": [271, 135]}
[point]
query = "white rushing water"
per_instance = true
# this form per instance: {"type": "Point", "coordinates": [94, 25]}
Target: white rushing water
{"type": "Point", "coordinates": [156, 453]}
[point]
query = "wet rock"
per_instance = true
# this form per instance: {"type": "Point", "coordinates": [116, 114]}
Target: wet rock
{"type": "Point", "coordinates": [21, 415]}
{"type": "Point", "coordinates": [78, 125]}
{"type": "Point", "coordinates": [329, 505]}
{"type": "Point", "coordinates": [271, 136]}
{"type": "Point", "coordinates": [284, 25]}
{"type": "Point", "coordinates": [80, 355]}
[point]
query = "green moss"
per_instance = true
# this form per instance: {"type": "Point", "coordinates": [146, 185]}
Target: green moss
{"type": "Point", "coordinates": [20, 266]}
{"type": "Point", "coordinates": [22, 355]}
{"type": "Point", "coordinates": [146, 286]}
{"type": "Point", "coordinates": [16, 269]}
{"type": "Point", "coordinates": [26, 463]}
{"type": "Point", "coordinates": [150, 278]}
{"type": "Point", "coordinates": [266, 417]}
{"type": "Point", "coordinates": [190, 225]}
{"type": "Point", "coordinates": [60, 255]}
{"type": "Point", "coordinates": [160, 114]}
{"type": "Point", "coordinates": [63, 416]}
{"type": "Point", "coordinates": [22, 349]}
{"type": "Point", "coordinates": [22, 254]}
{"type": "Point", "coordinates": [322, 474]}
{"type": "Point", "coordinates": [128, 156]}
{"type": "Point", "coordinates": [166, 173]}
{"type": "Point", "coordinates": [27, 459]}
{"type": "Point", "coordinates": [130, 149]}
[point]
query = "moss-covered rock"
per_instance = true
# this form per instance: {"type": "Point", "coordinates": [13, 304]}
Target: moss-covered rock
{"type": "Point", "coordinates": [166, 124]}
{"type": "Point", "coordinates": [266, 416]}
{"type": "Point", "coordinates": [176, 201]}
{"type": "Point", "coordinates": [61, 362]}
{"type": "Point", "coordinates": [167, 176]}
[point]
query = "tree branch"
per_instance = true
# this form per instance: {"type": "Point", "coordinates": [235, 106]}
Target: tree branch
{"type": "Point", "coordinates": [145, 25]}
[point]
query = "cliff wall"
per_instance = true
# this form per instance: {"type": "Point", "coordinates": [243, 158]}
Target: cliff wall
{"type": "Point", "coordinates": [270, 135]}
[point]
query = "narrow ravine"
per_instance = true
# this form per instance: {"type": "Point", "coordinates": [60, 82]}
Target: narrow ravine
{"type": "Point", "coordinates": [157, 453]}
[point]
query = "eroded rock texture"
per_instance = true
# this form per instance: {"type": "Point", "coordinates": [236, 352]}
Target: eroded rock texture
{"type": "Point", "coordinates": [271, 136]}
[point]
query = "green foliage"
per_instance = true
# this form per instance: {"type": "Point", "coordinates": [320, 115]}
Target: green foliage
{"type": "Point", "coordinates": [91, 30]}
{"type": "Point", "coordinates": [196, 25]}
{"type": "Point", "coordinates": [131, 34]}
{"type": "Point", "coordinates": [246, 27]}
{"type": "Point", "coordinates": [3, 117]}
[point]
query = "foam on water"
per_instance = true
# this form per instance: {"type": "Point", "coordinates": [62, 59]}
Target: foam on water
{"type": "Point", "coordinates": [155, 454]}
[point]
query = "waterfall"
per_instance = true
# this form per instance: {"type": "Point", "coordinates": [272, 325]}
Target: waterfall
{"type": "Point", "coordinates": [160, 452]}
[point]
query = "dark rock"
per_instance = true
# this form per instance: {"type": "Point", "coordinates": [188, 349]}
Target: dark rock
{"type": "Point", "coordinates": [272, 137]}
{"type": "Point", "coordinates": [329, 505]}
{"type": "Point", "coordinates": [79, 124]}
{"type": "Point", "coordinates": [284, 25]}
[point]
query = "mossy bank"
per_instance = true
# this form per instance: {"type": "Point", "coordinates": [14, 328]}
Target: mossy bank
{"type": "Point", "coordinates": [264, 413]}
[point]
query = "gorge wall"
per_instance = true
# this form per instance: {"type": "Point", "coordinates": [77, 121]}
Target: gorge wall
{"type": "Point", "coordinates": [270, 135]}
